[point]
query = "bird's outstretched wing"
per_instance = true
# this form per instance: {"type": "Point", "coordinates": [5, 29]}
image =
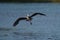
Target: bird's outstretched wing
{"type": "Point", "coordinates": [17, 21]}
{"type": "Point", "coordinates": [37, 14]}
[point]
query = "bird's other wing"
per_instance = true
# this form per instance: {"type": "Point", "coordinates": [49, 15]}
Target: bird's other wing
{"type": "Point", "coordinates": [17, 21]}
{"type": "Point", "coordinates": [37, 14]}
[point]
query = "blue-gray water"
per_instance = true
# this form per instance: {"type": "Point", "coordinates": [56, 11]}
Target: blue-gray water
{"type": "Point", "coordinates": [43, 27]}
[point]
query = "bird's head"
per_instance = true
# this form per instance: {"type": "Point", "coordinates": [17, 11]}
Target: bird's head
{"type": "Point", "coordinates": [27, 15]}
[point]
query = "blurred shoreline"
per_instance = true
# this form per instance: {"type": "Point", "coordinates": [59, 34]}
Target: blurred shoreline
{"type": "Point", "coordinates": [29, 1]}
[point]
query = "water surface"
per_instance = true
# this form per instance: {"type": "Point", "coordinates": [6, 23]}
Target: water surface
{"type": "Point", "coordinates": [43, 27]}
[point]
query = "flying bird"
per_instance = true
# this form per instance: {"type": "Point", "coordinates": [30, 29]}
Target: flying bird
{"type": "Point", "coordinates": [27, 18]}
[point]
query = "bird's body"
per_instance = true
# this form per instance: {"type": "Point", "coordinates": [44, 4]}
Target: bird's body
{"type": "Point", "coordinates": [27, 18]}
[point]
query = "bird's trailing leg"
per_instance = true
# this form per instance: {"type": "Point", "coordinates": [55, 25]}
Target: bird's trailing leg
{"type": "Point", "coordinates": [30, 22]}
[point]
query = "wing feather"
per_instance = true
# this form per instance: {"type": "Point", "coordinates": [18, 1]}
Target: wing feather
{"type": "Point", "coordinates": [37, 14]}
{"type": "Point", "coordinates": [17, 21]}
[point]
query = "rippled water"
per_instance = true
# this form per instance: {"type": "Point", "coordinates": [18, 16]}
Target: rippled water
{"type": "Point", "coordinates": [43, 27]}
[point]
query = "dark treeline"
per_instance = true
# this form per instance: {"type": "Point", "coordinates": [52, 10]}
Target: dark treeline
{"type": "Point", "coordinates": [25, 1]}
